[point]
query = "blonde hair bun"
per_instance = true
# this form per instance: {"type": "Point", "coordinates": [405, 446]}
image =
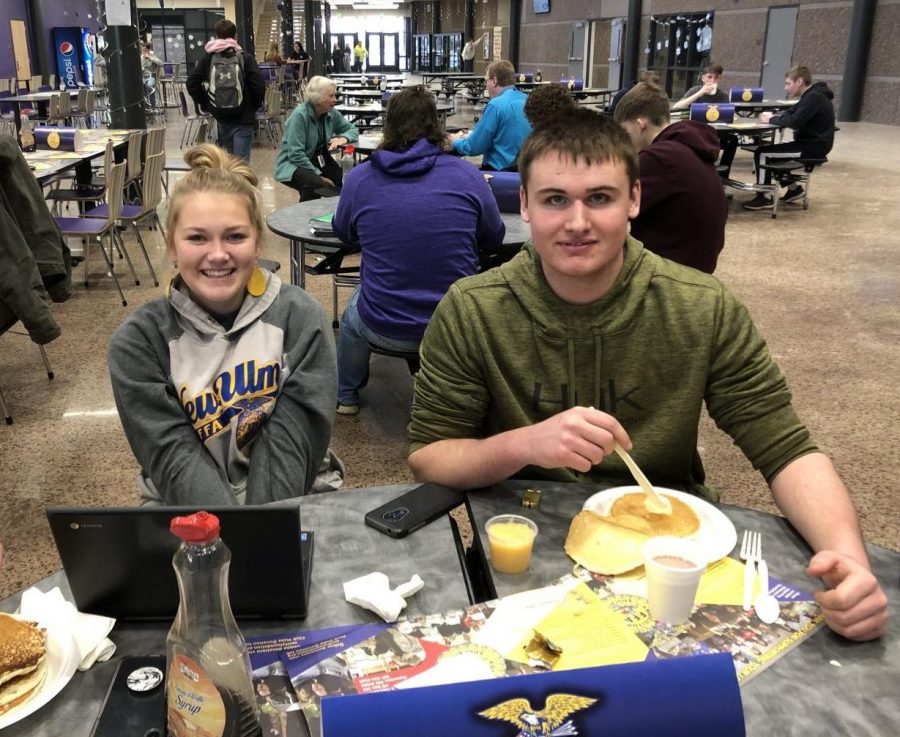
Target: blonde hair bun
{"type": "Point", "coordinates": [211, 157]}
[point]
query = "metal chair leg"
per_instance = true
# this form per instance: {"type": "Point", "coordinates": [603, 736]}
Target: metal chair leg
{"type": "Point", "coordinates": [137, 232]}
{"type": "Point", "coordinates": [46, 361]}
{"type": "Point", "coordinates": [120, 244]}
{"type": "Point", "coordinates": [112, 271]}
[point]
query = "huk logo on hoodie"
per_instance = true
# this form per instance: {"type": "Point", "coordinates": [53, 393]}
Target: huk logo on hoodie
{"type": "Point", "coordinates": [610, 400]}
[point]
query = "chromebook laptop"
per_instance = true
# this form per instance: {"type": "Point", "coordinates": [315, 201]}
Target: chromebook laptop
{"type": "Point", "coordinates": [118, 561]}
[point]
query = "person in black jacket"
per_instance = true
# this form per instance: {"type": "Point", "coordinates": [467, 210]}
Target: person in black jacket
{"type": "Point", "coordinates": [236, 125]}
{"type": "Point", "coordinates": [812, 120]}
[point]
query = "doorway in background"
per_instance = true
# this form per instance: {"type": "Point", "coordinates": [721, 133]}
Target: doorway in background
{"type": "Point", "coordinates": [384, 52]}
{"type": "Point", "coordinates": [779, 50]}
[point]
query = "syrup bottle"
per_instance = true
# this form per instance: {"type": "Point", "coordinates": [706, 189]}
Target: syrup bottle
{"type": "Point", "coordinates": [209, 689]}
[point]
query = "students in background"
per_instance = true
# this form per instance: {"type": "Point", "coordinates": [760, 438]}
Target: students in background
{"type": "Point", "coordinates": [236, 125]}
{"type": "Point", "coordinates": [273, 54]}
{"type": "Point", "coordinates": [312, 132]}
{"type": "Point", "coordinates": [683, 207]}
{"type": "Point", "coordinates": [359, 56]}
{"type": "Point", "coordinates": [585, 339]}
{"type": "Point", "coordinates": [150, 65]}
{"type": "Point", "coordinates": [422, 218]}
{"type": "Point", "coordinates": [812, 120]}
{"type": "Point", "coordinates": [546, 102]}
{"type": "Point", "coordinates": [348, 58]}
{"type": "Point", "coordinates": [707, 91]}
{"type": "Point", "coordinates": [297, 56]}
{"type": "Point", "coordinates": [499, 134]}
{"type": "Point", "coordinates": [225, 387]}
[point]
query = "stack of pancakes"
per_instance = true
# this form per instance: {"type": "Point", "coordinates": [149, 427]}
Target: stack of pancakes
{"type": "Point", "coordinates": [23, 661]}
{"type": "Point", "coordinates": [612, 544]}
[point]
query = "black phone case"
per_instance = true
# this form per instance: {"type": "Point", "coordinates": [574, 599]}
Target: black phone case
{"type": "Point", "coordinates": [414, 509]}
{"type": "Point", "coordinates": [128, 713]}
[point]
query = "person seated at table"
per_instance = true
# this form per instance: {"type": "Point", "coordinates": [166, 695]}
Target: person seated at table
{"type": "Point", "coordinates": [707, 91]}
{"type": "Point", "coordinates": [585, 339]}
{"type": "Point", "coordinates": [548, 101]}
{"type": "Point", "coordinates": [313, 130]}
{"type": "Point", "coordinates": [225, 386]}
{"type": "Point", "coordinates": [812, 120]}
{"type": "Point", "coordinates": [421, 218]}
{"type": "Point", "coordinates": [683, 207]}
{"type": "Point", "coordinates": [499, 134]}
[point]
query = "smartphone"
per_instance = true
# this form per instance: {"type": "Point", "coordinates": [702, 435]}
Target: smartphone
{"type": "Point", "coordinates": [414, 509]}
{"type": "Point", "coordinates": [135, 705]}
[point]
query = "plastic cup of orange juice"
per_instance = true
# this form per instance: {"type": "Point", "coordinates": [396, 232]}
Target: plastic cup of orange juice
{"type": "Point", "coordinates": [511, 538]}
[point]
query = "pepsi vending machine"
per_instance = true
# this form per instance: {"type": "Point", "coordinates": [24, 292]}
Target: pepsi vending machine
{"type": "Point", "coordinates": [74, 56]}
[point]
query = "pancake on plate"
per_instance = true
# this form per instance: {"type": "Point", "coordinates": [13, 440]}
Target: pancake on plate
{"type": "Point", "coordinates": [603, 547]}
{"type": "Point", "coordinates": [630, 511]}
{"type": "Point", "coordinates": [23, 661]}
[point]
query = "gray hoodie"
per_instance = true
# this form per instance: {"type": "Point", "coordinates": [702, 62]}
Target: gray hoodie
{"type": "Point", "coordinates": [226, 416]}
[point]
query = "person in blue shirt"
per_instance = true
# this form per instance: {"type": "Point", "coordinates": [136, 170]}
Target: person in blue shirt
{"type": "Point", "coordinates": [500, 133]}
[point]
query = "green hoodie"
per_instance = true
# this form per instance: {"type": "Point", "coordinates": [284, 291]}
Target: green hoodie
{"type": "Point", "coordinates": [502, 351]}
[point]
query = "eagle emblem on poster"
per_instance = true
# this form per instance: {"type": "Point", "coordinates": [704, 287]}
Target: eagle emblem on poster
{"type": "Point", "coordinates": [552, 721]}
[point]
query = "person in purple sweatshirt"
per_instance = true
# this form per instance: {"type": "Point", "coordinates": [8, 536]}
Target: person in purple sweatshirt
{"type": "Point", "coordinates": [683, 207]}
{"type": "Point", "coordinates": [421, 217]}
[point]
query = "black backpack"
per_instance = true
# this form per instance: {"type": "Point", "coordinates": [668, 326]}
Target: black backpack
{"type": "Point", "coordinates": [226, 80]}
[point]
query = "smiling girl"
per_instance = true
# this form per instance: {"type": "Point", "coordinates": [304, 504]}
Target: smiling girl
{"type": "Point", "coordinates": [226, 386]}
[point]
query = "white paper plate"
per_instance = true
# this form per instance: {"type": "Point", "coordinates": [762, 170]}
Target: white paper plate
{"type": "Point", "coordinates": [62, 661]}
{"type": "Point", "coordinates": [716, 535]}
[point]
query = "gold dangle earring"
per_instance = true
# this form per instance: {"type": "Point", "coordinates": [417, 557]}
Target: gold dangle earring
{"type": "Point", "coordinates": [256, 284]}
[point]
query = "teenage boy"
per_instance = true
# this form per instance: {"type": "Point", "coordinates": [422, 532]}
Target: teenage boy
{"type": "Point", "coordinates": [537, 368]}
{"type": "Point", "coordinates": [707, 91]}
{"type": "Point", "coordinates": [812, 120]}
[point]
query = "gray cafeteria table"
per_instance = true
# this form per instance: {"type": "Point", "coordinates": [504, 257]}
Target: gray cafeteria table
{"type": "Point", "coordinates": [344, 549]}
{"type": "Point", "coordinates": [825, 686]}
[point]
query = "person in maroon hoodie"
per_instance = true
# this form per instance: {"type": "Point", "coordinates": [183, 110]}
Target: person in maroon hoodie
{"type": "Point", "coordinates": [683, 207]}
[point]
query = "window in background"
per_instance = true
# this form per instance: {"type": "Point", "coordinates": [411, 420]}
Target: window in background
{"type": "Point", "coordinates": [678, 48]}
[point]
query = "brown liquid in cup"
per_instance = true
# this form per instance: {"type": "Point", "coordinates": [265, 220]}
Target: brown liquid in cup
{"type": "Point", "coordinates": [673, 561]}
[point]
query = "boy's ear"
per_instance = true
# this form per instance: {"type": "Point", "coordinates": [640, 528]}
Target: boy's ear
{"type": "Point", "coordinates": [523, 204]}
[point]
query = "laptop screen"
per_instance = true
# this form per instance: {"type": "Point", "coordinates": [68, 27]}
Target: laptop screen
{"type": "Point", "coordinates": [118, 561]}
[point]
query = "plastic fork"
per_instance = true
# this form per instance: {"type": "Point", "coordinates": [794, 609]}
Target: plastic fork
{"type": "Point", "coordinates": [751, 547]}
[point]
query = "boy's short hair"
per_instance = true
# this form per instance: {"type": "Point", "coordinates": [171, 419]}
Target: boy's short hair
{"type": "Point", "coordinates": [644, 100]}
{"type": "Point", "coordinates": [225, 29]}
{"type": "Point", "coordinates": [503, 71]}
{"type": "Point", "coordinates": [583, 135]}
{"type": "Point", "coordinates": [800, 71]}
{"type": "Point", "coordinates": [713, 69]}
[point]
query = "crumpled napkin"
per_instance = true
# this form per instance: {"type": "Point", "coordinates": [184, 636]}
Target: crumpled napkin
{"type": "Point", "coordinates": [373, 591]}
{"type": "Point", "coordinates": [88, 630]}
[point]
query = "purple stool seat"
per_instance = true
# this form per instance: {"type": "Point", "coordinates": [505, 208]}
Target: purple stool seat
{"type": "Point", "coordinates": [82, 226]}
{"type": "Point", "coordinates": [129, 212]}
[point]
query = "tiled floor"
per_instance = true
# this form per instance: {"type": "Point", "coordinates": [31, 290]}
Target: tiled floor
{"type": "Point", "coordinates": [823, 286]}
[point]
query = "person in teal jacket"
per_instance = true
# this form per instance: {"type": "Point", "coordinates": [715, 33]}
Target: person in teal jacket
{"type": "Point", "coordinates": [498, 136]}
{"type": "Point", "coordinates": [312, 132]}
{"type": "Point", "coordinates": [585, 339]}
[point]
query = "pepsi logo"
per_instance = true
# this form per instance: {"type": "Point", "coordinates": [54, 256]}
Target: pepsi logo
{"type": "Point", "coordinates": [66, 48]}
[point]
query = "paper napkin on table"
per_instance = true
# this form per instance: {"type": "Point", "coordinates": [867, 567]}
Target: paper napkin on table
{"type": "Point", "coordinates": [373, 591]}
{"type": "Point", "coordinates": [88, 630]}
